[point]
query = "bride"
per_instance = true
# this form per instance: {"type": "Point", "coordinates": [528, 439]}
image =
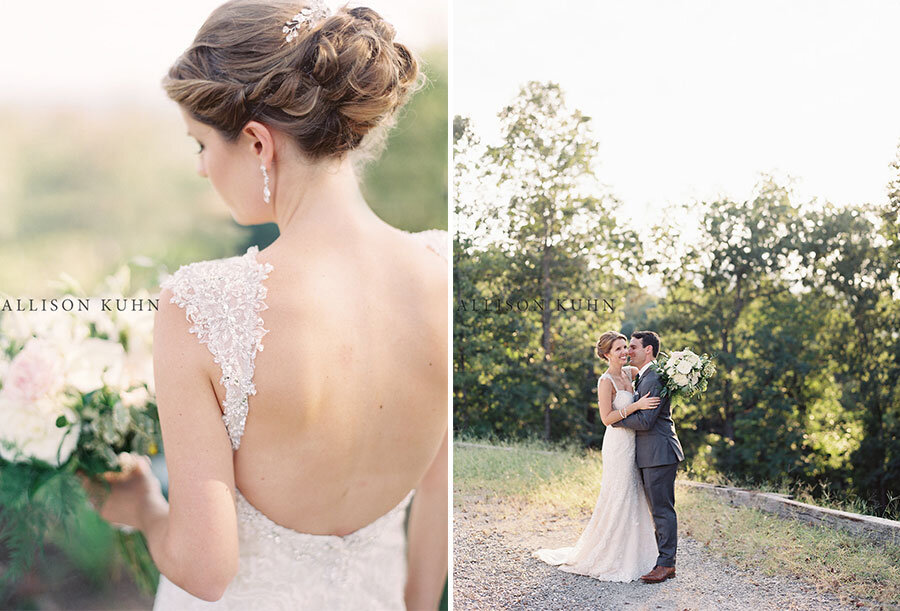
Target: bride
{"type": "Point", "coordinates": [619, 543]}
{"type": "Point", "coordinates": [291, 468]}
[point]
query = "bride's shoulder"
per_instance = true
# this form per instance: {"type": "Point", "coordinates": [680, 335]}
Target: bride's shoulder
{"type": "Point", "coordinates": [435, 240]}
{"type": "Point", "coordinates": [426, 253]}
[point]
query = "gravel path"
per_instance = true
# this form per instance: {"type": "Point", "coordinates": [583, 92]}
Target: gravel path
{"type": "Point", "coordinates": [493, 569]}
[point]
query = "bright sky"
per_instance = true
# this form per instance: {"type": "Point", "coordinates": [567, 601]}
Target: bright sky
{"type": "Point", "coordinates": [105, 52]}
{"type": "Point", "coordinates": [694, 98]}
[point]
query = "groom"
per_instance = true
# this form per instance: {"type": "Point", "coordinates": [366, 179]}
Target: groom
{"type": "Point", "coordinates": [657, 453]}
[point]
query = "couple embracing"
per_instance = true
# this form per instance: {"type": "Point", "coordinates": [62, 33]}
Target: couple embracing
{"type": "Point", "coordinates": [633, 531]}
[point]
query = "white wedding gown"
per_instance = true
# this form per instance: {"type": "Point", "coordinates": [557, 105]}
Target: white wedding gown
{"type": "Point", "coordinates": [280, 568]}
{"type": "Point", "coordinates": [619, 543]}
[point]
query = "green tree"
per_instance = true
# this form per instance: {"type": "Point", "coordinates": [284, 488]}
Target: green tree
{"type": "Point", "coordinates": [854, 263]}
{"type": "Point", "coordinates": [743, 253]}
{"type": "Point", "coordinates": [563, 234]}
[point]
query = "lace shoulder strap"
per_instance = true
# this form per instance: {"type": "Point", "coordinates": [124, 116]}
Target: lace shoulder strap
{"type": "Point", "coordinates": [222, 299]}
{"type": "Point", "coordinates": [611, 381]}
{"type": "Point", "coordinates": [436, 240]}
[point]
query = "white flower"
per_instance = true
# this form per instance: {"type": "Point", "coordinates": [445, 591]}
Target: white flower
{"type": "Point", "coordinates": [139, 397]}
{"type": "Point", "coordinates": [136, 325]}
{"type": "Point", "coordinates": [31, 429]}
{"type": "Point", "coordinates": [95, 362]}
{"type": "Point", "coordinates": [691, 358]}
{"type": "Point", "coordinates": [102, 320]}
{"type": "Point", "coordinates": [16, 327]}
{"type": "Point", "coordinates": [137, 370]}
{"type": "Point", "coordinates": [680, 380]}
{"type": "Point", "coordinates": [62, 328]}
{"type": "Point", "coordinates": [695, 378]}
{"type": "Point", "coordinates": [684, 367]}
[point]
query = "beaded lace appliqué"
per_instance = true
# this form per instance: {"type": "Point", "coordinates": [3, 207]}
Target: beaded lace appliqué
{"type": "Point", "coordinates": [222, 299]}
{"type": "Point", "coordinates": [301, 544]}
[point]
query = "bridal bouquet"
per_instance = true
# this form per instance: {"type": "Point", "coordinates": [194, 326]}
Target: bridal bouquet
{"type": "Point", "coordinates": [76, 389]}
{"type": "Point", "coordinates": [684, 374]}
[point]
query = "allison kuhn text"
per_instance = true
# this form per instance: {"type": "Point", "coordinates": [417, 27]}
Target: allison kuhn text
{"type": "Point", "coordinates": [75, 304]}
{"type": "Point", "coordinates": [568, 304]}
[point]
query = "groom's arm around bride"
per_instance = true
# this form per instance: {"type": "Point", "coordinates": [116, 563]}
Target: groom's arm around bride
{"type": "Point", "coordinates": [644, 420]}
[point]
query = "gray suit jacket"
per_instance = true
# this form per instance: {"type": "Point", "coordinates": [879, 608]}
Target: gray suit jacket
{"type": "Point", "coordinates": [656, 443]}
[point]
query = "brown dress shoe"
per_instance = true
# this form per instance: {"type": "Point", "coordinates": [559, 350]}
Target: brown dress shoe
{"type": "Point", "coordinates": [658, 574]}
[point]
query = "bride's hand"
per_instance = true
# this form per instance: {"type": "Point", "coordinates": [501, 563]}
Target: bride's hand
{"type": "Point", "coordinates": [646, 402]}
{"type": "Point", "coordinates": [128, 493]}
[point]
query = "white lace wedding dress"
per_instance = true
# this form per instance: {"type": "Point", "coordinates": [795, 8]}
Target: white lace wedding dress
{"type": "Point", "coordinates": [619, 543]}
{"type": "Point", "coordinates": [280, 568]}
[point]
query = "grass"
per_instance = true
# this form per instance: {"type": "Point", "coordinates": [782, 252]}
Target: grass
{"type": "Point", "coordinates": [567, 479]}
{"type": "Point", "coordinates": [820, 495]}
{"type": "Point", "coordinates": [564, 477]}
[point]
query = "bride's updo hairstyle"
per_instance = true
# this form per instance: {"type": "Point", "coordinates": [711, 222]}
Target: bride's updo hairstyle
{"type": "Point", "coordinates": [340, 79]}
{"type": "Point", "coordinates": [606, 341]}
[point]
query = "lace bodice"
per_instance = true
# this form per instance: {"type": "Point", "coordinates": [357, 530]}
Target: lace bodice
{"type": "Point", "coordinates": [280, 568]}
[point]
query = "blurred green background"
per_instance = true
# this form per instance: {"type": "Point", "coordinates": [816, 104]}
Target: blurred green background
{"type": "Point", "coordinates": [82, 192]}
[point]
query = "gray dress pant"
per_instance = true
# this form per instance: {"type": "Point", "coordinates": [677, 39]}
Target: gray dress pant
{"type": "Point", "coordinates": [659, 486]}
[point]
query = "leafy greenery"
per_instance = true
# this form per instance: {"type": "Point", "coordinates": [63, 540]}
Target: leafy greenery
{"type": "Point", "coordinates": [558, 239]}
{"type": "Point", "coordinates": [797, 302]}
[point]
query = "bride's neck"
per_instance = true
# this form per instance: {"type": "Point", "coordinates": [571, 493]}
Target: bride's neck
{"type": "Point", "coordinates": [319, 201]}
{"type": "Point", "coordinates": [614, 369]}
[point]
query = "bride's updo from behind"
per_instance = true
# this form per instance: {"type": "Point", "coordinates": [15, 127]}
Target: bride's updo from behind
{"type": "Point", "coordinates": [341, 79]}
{"type": "Point", "coordinates": [606, 341]}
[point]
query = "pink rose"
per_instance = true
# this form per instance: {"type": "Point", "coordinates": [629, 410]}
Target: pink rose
{"type": "Point", "coordinates": [36, 372]}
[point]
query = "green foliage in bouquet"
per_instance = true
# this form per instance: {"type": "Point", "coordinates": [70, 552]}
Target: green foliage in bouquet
{"type": "Point", "coordinates": [109, 427]}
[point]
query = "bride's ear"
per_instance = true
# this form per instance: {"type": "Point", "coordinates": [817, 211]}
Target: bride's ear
{"type": "Point", "coordinates": [261, 142]}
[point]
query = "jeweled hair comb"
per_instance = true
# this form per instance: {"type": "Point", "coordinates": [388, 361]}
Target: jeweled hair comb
{"type": "Point", "coordinates": [314, 12]}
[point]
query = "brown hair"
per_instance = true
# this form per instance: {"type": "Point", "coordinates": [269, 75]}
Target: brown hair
{"type": "Point", "coordinates": [331, 86]}
{"type": "Point", "coordinates": [648, 338]}
{"type": "Point", "coordinates": [606, 341]}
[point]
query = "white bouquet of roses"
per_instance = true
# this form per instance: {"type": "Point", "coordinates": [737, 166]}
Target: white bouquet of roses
{"type": "Point", "coordinates": [684, 374]}
{"type": "Point", "coordinates": [76, 389]}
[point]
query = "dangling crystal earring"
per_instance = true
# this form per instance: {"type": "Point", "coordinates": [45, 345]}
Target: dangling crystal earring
{"type": "Point", "coordinates": [267, 195]}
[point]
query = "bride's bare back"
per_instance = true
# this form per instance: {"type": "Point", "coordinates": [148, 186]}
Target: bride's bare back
{"type": "Point", "coordinates": [351, 403]}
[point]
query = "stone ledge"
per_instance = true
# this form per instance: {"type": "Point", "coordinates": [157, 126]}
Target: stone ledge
{"type": "Point", "coordinates": [880, 529]}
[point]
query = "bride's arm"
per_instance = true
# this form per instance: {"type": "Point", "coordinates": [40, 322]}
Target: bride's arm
{"type": "Point", "coordinates": [193, 539]}
{"type": "Point", "coordinates": [604, 401]}
{"type": "Point", "coordinates": [427, 535]}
